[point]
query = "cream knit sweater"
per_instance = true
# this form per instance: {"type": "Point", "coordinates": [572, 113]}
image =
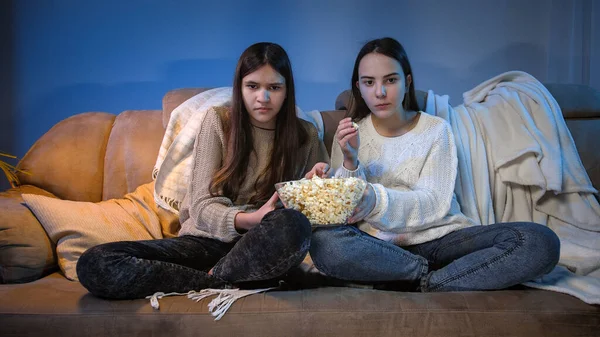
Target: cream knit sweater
{"type": "Point", "coordinates": [413, 176]}
{"type": "Point", "coordinates": [207, 216]}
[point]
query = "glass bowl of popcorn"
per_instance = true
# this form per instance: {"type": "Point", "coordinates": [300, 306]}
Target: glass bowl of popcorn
{"type": "Point", "coordinates": [328, 201]}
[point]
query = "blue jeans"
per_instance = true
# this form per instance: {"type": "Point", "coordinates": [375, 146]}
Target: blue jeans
{"type": "Point", "coordinates": [135, 269]}
{"type": "Point", "coordinates": [474, 258]}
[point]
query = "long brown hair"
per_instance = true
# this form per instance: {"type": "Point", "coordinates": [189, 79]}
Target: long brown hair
{"type": "Point", "coordinates": [290, 135]}
{"type": "Point", "coordinates": [389, 47]}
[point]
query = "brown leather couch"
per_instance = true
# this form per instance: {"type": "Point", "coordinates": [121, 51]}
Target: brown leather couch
{"type": "Point", "coordinates": [98, 156]}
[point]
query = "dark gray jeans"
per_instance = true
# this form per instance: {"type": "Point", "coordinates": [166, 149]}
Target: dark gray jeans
{"type": "Point", "coordinates": [135, 269]}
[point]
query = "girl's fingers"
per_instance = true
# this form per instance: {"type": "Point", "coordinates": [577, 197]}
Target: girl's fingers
{"type": "Point", "coordinates": [362, 209]}
{"type": "Point", "coordinates": [344, 132]}
{"type": "Point", "coordinates": [358, 216]}
{"type": "Point", "coordinates": [345, 124]}
{"type": "Point", "coordinates": [326, 169]}
{"type": "Point", "coordinates": [321, 170]}
{"type": "Point", "coordinates": [345, 120]}
{"type": "Point", "coordinates": [352, 218]}
{"type": "Point", "coordinates": [274, 198]}
{"type": "Point", "coordinates": [346, 139]}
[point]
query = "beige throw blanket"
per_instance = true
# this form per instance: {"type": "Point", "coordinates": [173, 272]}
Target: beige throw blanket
{"type": "Point", "coordinates": [518, 162]}
{"type": "Point", "coordinates": [173, 166]}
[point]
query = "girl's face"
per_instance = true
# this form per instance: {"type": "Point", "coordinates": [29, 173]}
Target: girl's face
{"type": "Point", "coordinates": [382, 85]}
{"type": "Point", "coordinates": [264, 92]}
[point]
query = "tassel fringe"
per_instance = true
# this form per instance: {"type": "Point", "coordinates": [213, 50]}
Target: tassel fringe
{"type": "Point", "coordinates": [218, 306]}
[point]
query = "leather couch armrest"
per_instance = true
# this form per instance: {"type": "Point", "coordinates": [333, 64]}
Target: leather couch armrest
{"type": "Point", "coordinates": [26, 252]}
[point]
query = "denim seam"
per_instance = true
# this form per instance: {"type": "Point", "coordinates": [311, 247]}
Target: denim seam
{"type": "Point", "coordinates": [425, 282]}
{"type": "Point", "coordinates": [463, 239]}
{"type": "Point", "coordinates": [517, 245]}
{"type": "Point", "coordinates": [424, 279]}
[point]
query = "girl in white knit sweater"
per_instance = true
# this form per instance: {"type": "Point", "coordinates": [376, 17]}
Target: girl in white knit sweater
{"type": "Point", "coordinates": [408, 230]}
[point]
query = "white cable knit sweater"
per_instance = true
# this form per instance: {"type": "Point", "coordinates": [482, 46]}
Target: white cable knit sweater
{"type": "Point", "coordinates": [413, 176]}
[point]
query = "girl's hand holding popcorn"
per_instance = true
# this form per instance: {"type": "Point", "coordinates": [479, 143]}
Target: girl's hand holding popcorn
{"type": "Point", "coordinates": [321, 170]}
{"type": "Point", "coordinates": [347, 137]}
{"type": "Point", "coordinates": [365, 206]}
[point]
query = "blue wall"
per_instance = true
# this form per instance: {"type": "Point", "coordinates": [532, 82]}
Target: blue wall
{"type": "Point", "coordinates": [70, 56]}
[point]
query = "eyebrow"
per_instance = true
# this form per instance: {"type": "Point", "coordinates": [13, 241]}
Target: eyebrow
{"type": "Point", "coordinates": [388, 75]}
{"type": "Point", "coordinates": [274, 83]}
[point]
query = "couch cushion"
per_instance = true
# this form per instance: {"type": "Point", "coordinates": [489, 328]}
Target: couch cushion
{"type": "Point", "coordinates": [131, 151]}
{"type": "Point", "coordinates": [68, 160]}
{"type": "Point", "coordinates": [75, 226]}
{"type": "Point", "coordinates": [62, 308]}
{"type": "Point", "coordinates": [26, 252]}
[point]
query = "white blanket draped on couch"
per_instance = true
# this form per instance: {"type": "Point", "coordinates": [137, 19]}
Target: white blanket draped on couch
{"type": "Point", "coordinates": [518, 162]}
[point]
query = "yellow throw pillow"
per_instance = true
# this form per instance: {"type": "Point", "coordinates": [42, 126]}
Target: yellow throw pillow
{"type": "Point", "coordinates": [75, 226]}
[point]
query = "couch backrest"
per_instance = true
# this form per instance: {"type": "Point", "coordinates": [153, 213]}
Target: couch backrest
{"type": "Point", "coordinates": [68, 160]}
{"type": "Point", "coordinates": [97, 156]}
{"type": "Point", "coordinates": [580, 105]}
{"type": "Point", "coordinates": [131, 151]}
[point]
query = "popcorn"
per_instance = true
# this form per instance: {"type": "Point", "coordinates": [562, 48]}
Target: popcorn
{"type": "Point", "coordinates": [323, 201]}
{"type": "Point", "coordinates": [355, 126]}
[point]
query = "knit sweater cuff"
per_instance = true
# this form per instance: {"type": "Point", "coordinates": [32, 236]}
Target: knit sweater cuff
{"type": "Point", "coordinates": [232, 233]}
{"type": "Point", "coordinates": [381, 201]}
{"type": "Point", "coordinates": [343, 172]}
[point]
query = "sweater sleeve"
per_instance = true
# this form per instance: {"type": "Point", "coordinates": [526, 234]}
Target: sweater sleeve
{"type": "Point", "coordinates": [430, 198]}
{"type": "Point", "coordinates": [213, 214]}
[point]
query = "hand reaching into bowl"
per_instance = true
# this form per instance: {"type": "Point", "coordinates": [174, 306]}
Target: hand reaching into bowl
{"type": "Point", "coordinates": [365, 206]}
{"type": "Point", "coordinates": [322, 170]}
